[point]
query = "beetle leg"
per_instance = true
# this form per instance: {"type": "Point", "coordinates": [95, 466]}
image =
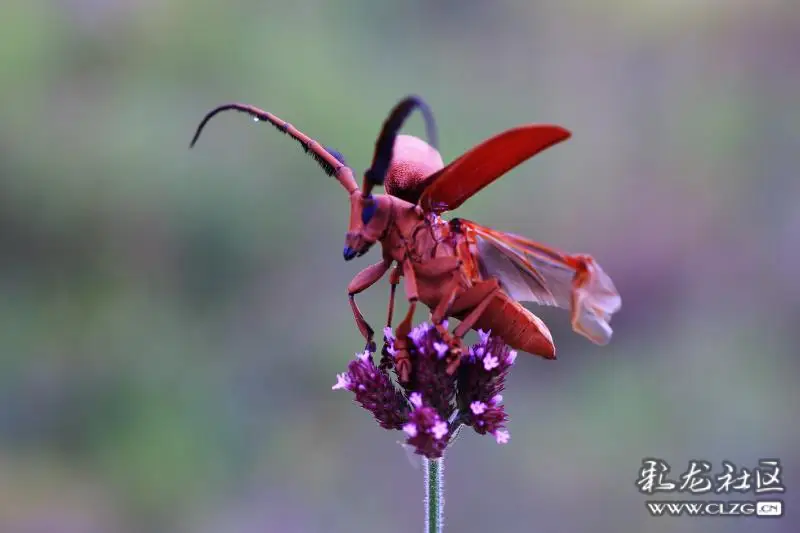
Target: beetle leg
{"type": "Point", "coordinates": [483, 291]}
{"type": "Point", "coordinates": [451, 288]}
{"type": "Point", "coordinates": [402, 360]}
{"type": "Point", "coordinates": [364, 280]}
{"type": "Point", "coordinates": [450, 292]}
{"type": "Point", "coordinates": [394, 280]}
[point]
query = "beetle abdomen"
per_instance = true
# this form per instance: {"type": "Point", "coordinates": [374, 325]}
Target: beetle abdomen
{"type": "Point", "coordinates": [517, 326]}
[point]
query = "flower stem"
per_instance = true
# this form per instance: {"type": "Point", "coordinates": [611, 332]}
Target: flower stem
{"type": "Point", "coordinates": [434, 495]}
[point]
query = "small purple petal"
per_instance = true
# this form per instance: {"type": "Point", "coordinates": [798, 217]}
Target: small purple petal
{"type": "Point", "coordinates": [439, 430]}
{"type": "Point", "coordinates": [497, 399]}
{"type": "Point", "coordinates": [410, 429]}
{"type": "Point", "coordinates": [512, 356]}
{"type": "Point", "coordinates": [502, 436]}
{"type": "Point", "coordinates": [479, 351]}
{"type": "Point", "coordinates": [484, 335]}
{"type": "Point", "coordinates": [444, 324]}
{"type": "Point", "coordinates": [477, 407]}
{"type": "Point", "coordinates": [441, 349]}
{"type": "Point", "coordinates": [388, 333]}
{"type": "Point", "coordinates": [342, 382]}
{"type": "Point", "coordinates": [391, 350]}
{"type": "Point", "coordinates": [363, 356]}
{"type": "Point", "coordinates": [419, 332]}
{"type": "Point", "coordinates": [490, 362]}
{"type": "Point", "coordinates": [415, 399]}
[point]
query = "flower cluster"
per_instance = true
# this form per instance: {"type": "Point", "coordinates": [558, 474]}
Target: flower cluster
{"type": "Point", "coordinates": [374, 391]}
{"type": "Point", "coordinates": [433, 404]}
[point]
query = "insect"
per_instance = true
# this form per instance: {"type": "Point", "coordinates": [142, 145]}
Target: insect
{"type": "Point", "coordinates": [457, 268]}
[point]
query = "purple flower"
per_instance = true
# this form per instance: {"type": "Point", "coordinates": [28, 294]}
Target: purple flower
{"type": "Point", "coordinates": [502, 436]}
{"type": "Point", "coordinates": [432, 404]}
{"type": "Point", "coordinates": [480, 381]}
{"type": "Point", "coordinates": [511, 357]}
{"type": "Point", "coordinates": [415, 399]}
{"type": "Point", "coordinates": [426, 430]}
{"type": "Point", "coordinates": [477, 408]}
{"type": "Point", "coordinates": [441, 349]}
{"type": "Point", "coordinates": [429, 359]}
{"type": "Point", "coordinates": [342, 382]}
{"type": "Point", "coordinates": [439, 430]}
{"type": "Point", "coordinates": [374, 391]}
{"type": "Point", "coordinates": [418, 333]}
{"type": "Point", "coordinates": [489, 418]}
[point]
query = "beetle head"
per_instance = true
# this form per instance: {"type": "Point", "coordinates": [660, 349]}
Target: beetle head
{"type": "Point", "coordinates": [370, 214]}
{"type": "Point", "coordinates": [369, 222]}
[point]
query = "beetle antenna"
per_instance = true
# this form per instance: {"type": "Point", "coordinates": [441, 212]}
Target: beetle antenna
{"type": "Point", "coordinates": [384, 146]}
{"type": "Point", "coordinates": [331, 161]}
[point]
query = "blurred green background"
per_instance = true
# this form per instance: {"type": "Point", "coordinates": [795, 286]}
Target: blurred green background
{"type": "Point", "coordinates": [171, 322]}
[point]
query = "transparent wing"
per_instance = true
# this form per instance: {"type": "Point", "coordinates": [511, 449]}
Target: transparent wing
{"type": "Point", "coordinates": [531, 272]}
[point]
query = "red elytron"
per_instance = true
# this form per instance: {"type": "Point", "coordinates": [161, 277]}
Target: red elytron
{"type": "Point", "coordinates": [456, 268]}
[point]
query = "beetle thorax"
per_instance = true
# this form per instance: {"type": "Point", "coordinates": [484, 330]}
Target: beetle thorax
{"type": "Point", "coordinates": [415, 234]}
{"type": "Point", "coordinates": [413, 161]}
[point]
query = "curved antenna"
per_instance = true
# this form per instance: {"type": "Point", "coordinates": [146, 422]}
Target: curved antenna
{"type": "Point", "coordinates": [331, 161]}
{"type": "Point", "coordinates": [384, 146]}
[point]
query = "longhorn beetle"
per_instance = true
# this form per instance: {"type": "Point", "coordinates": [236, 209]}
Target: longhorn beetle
{"type": "Point", "coordinates": [457, 268]}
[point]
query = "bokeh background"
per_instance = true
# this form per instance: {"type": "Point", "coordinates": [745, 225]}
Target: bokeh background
{"type": "Point", "coordinates": [171, 321]}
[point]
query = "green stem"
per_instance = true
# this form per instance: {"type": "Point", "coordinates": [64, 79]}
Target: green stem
{"type": "Point", "coordinates": [434, 495]}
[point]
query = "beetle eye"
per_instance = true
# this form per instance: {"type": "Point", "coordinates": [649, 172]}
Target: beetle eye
{"type": "Point", "coordinates": [368, 212]}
